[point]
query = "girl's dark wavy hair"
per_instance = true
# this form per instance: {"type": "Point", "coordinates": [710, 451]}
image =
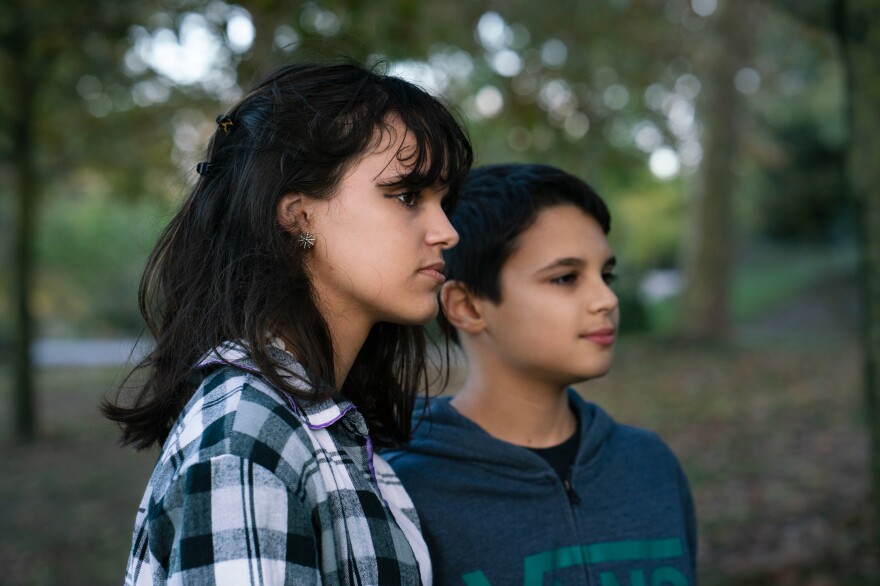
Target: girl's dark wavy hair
{"type": "Point", "coordinates": [225, 269]}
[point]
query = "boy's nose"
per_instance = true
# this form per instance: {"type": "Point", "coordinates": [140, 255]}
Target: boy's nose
{"type": "Point", "coordinates": [606, 300]}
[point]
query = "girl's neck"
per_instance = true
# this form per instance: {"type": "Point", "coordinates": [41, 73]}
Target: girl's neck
{"type": "Point", "coordinates": [348, 337]}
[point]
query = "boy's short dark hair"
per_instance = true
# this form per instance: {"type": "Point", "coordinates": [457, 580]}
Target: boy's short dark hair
{"type": "Point", "coordinates": [496, 204]}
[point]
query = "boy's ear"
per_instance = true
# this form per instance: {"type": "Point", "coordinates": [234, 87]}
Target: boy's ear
{"type": "Point", "coordinates": [462, 308]}
{"type": "Point", "coordinates": [291, 212]}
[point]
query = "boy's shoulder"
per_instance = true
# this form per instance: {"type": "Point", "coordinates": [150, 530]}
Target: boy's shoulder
{"type": "Point", "coordinates": [440, 432]}
{"type": "Point", "coordinates": [641, 443]}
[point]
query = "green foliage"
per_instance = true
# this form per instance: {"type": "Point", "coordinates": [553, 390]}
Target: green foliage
{"type": "Point", "coordinates": [793, 175]}
{"type": "Point", "coordinates": [805, 198]}
{"type": "Point", "coordinates": [646, 224]}
{"type": "Point", "coordinates": [634, 316]}
{"type": "Point", "coordinates": [91, 250]}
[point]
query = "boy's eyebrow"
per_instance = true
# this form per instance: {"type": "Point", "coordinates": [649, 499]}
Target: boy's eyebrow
{"type": "Point", "coordinates": [563, 262]}
{"type": "Point", "coordinates": [576, 263]}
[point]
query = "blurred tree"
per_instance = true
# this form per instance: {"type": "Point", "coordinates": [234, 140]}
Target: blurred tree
{"type": "Point", "coordinates": [708, 250]}
{"type": "Point", "coordinates": [856, 24]}
{"type": "Point", "coordinates": [18, 44]}
{"type": "Point", "coordinates": [44, 131]}
{"type": "Point", "coordinates": [860, 28]}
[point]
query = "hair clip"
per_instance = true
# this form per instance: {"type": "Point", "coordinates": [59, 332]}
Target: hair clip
{"type": "Point", "coordinates": [224, 122]}
{"type": "Point", "coordinates": [203, 168]}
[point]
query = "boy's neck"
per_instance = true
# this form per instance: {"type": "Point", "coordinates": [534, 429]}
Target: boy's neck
{"type": "Point", "coordinates": [527, 413]}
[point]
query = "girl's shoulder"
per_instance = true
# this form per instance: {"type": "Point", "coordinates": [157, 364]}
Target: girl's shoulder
{"type": "Point", "coordinates": [234, 412]}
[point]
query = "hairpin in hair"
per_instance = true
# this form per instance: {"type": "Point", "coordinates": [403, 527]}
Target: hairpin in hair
{"type": "Point", "coordinates": [203, 168]}
{"type": "Point", "coordinates": [224, 122]}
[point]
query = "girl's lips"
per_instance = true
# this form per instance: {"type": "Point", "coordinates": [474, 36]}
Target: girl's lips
{"type": "Point", "coordinates": [433, 273]}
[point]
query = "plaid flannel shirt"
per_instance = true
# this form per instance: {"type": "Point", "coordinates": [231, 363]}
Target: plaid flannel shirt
{"type": "Point", "coordinates": [253, 489]}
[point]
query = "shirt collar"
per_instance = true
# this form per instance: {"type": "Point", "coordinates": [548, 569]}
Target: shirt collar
{"type": "Point", "coordinates": [316, 414]}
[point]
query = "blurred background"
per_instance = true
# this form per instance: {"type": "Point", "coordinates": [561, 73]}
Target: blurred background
{"type": "Point", "coordinates": [730, 139]}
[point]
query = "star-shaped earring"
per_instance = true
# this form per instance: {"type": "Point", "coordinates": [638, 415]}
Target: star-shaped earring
{"type": "Point", "coordinates": [305, 240]}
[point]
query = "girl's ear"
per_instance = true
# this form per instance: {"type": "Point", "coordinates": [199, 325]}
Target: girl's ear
{"type": "Point", "coordinates": [291, 213]}
{"type": "Point", "coordinates": [463, 309]}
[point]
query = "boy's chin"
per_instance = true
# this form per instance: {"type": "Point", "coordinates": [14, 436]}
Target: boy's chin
{"type": "Point", "coordinates": [593, 374]}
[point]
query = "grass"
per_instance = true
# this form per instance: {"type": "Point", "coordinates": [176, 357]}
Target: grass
{"type": "Point", "coordinates": [766, 280]}
{"type": "Point", "coordinates": [770, 433]}
{"type": "Point", "coordinates": [68, 501]}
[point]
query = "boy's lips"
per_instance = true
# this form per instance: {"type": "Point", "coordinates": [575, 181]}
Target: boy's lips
{"type": "Point", "coordinates": [602, 336]}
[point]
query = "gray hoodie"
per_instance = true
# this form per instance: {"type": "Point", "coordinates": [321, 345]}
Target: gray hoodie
{"type": "Point", "coordinates": [497, 514]}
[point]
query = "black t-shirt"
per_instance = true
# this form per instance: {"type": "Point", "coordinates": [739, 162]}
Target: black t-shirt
{"type": "Point", "coordinates": [561, 457]}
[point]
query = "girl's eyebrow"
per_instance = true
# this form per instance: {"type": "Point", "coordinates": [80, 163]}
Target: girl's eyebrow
{"type": "Point", "coordinates": [393, 181]}
{"type": "Point", "coordinates": [414, 181]}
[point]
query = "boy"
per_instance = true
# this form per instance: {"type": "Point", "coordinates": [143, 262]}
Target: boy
{"type": "Point", "coordinates": [516, 479]}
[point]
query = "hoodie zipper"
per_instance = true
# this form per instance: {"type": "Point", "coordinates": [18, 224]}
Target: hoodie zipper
{"type": "Point", "coordinates": [574, 500]}
{"type": "Point", "coordinates": [573, 497]}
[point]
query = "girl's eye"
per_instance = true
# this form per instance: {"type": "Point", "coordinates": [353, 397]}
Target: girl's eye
{"type": "Point", "coordinates": [410, 199]}
{"type": "Point", "coordinates": [609, 278]}
{"type": "Point", "coordinates": [567, 279]}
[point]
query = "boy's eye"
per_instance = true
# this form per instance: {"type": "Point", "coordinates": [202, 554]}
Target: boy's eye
{"type": "Point", "coordinates": [566, 279]}
{"type": "Point", "coordinates": [609, 278]}
{"type": "Point", "coordinates": [410, 198]}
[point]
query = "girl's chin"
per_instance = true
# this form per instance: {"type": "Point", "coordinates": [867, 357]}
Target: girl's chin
{"type": "Point", "coordinates": [417, 318]}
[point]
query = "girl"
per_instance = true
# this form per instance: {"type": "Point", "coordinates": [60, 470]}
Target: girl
{"type": "Point", "coordinates": [286, 299]}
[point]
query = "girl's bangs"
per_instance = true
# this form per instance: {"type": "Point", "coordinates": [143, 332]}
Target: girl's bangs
{"type": "Point", "coordinates": [442, 154]}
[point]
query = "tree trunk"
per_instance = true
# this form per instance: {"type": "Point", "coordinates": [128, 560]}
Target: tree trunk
{"type": "Point", "coordinates": [24, 94]}
{"type": "Point", "coordinates": [708, 259]}
{"type": "Point", "coordinates": [861, 40]}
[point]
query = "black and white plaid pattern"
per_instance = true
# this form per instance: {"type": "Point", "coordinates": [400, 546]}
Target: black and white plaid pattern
{"type": "Point", "coordinates": [251, 489]}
